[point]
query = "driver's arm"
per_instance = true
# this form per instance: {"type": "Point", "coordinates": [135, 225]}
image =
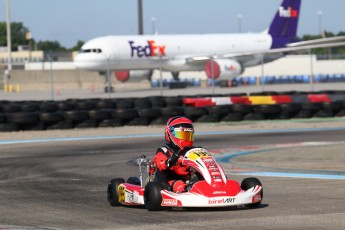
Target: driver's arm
{"type": "Point", "coordinates": [160, 159]}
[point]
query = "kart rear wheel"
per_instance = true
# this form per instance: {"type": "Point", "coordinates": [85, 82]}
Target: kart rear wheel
{"type": "Point", "coordinates": [112, 191]}
{"type": "Point", "coordinates": [153, 197]}
{"type": "Point", "coordinates": [251, 182]}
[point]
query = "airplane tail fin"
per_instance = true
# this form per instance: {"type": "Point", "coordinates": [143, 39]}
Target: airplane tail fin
{"type": "Point", "coordinates": [283, 28]}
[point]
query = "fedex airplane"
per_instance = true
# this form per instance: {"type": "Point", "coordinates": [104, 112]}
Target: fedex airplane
{"type": "Point", "coordinates": [222, 56]}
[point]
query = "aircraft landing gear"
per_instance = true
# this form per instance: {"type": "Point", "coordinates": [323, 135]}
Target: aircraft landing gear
{"type": "Point", "coordinates": [108, 88]}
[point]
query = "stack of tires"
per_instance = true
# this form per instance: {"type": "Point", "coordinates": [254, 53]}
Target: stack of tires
{"type": "Point", "coordinates": [92, 113]}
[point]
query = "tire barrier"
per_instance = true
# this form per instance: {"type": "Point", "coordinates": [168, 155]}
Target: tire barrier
{"type": "Point", "coordinates": [93, 113]}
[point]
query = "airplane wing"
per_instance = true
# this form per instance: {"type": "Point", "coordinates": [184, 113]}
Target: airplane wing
{"type": "Point", "coordinates": [318, 41]}
{"type": "Point", "coordinates": [297, 46]}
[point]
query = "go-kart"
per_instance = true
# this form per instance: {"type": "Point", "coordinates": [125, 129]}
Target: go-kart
{"type": "Point", "coordinates": [206, 186]}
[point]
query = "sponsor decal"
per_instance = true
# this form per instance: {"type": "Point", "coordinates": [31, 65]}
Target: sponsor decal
{"type": "Point", "coordinates": [230, 68]}
{"type": "Point", "coordinates": [288, 13]}
{"type": "Point", "coordinates": [207, 160]}
{"type": "Point", "coordinates": [169, 202]}
{"type": "Point", "coordinates": [121, 193]}
{"type": "Point", "coordinates": [219, 192]}
{"type": "Point", "coordinates": [132, 197]}
{"type": "Point", "coordinates": [151, 49]}
{"type": "Point", "coordinates": [184, 129]}
{"type": "Point", "coordinates": [222, 201]}
{"type": "Point", "coordinates": [198, 153]}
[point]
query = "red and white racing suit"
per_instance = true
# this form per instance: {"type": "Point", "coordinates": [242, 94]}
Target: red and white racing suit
{"type": "Point", "coordinates": [176, 174]}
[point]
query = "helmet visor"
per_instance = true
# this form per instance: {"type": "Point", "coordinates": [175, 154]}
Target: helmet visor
{"type": "Point", "coordinates": [183, 133]}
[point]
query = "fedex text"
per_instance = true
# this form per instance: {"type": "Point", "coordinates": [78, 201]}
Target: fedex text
{"type": "Point", "coordinates": [149, 50]}
{"type": "Point", "coordinates": [288, 13]}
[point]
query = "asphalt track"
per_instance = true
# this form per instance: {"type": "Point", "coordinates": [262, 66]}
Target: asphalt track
{"type": "Point", "coordinates": [61, 183]}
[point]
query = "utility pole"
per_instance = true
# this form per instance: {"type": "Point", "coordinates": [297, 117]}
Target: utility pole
{"type": "Point", "coordinates": [140, 17]}
{"type": "Point", "coordinates": [9, 44]}
{"type": "Point", "coordinates": [239, 21]}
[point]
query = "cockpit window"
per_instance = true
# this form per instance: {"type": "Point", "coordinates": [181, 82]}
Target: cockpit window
{"type": "Point", "coordinates": [90, 51]}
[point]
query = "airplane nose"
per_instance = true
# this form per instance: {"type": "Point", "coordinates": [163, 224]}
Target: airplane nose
{"type": "Point", "coordinates": [89, 61]}
{"type": "Point", "coordinates": [80, 61]}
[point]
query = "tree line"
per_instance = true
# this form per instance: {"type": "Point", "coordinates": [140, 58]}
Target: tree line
{"type": "Point", "coordinates": [19, 31]}
{"type": "Point", "coordinates": [18, 36]}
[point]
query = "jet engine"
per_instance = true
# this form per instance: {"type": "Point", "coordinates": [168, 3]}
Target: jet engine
{"type": "Point", "coordinates": [124, 75]}
{"type": "Point", "coordinates": [223, 69]}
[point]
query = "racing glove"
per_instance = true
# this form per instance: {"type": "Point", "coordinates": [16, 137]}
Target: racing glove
{"type": "Point", "coordinates": [173, 158]}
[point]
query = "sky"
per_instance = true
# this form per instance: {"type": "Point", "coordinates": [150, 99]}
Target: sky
{"type": "Point", "coordinates": [68, 21]}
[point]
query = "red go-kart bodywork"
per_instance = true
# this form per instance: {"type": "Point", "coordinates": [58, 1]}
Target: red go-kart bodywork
{"type": "Point", "coordinates": [212, 189]}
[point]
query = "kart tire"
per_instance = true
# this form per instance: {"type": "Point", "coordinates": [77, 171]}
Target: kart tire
{"type": "Point", "coordinates": [112, 191]}
{"type": "Point", "coordinates": [153, 197]}
{"type": "Point", "coordinates": [248, 183]}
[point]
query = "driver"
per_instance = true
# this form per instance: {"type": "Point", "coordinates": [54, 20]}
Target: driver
{"type": "Point", "coordinates": [179, 137]}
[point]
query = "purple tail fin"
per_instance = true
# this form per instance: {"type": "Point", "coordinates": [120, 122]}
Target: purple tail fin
{"type": "Point", "coordinates": [283, 28]}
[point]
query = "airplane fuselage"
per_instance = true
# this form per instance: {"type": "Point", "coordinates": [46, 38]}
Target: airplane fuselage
{"type": "Point", "coordinates": [169, 52]}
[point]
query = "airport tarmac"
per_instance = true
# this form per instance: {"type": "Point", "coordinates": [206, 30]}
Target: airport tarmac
{"type": "Point", "coordinates": [130, 93]}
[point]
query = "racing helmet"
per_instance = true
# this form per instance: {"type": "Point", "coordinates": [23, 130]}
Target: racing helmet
{"type": "Point", "coordinates": [179, 132]}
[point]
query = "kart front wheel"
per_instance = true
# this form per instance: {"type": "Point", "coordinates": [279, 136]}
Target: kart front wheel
{"type": "Point", "coordinates": [153, 197]}
{"type": "Point", "coordinates": [112, 191]}
{"type": "Point", "coordinates": [251, 182]}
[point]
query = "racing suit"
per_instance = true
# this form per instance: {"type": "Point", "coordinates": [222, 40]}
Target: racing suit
{"type": "Point", "coordinates": [171, 175]}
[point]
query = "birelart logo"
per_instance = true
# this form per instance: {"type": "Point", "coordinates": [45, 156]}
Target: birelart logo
{"type": "Point", "coordinates": [288, 13]}
{"type": "Point", "coordinates": [149, 50]}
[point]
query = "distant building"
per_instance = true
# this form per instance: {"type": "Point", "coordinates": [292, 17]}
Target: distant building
{"type": "Point", "coordinates": [24, 57]}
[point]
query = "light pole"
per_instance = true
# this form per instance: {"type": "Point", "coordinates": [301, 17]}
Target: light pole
{"type": "Point", "coordinates": [153, 21]}
{"type": "Point", "coordinates": [239, 21]}
{"type": "Point", "coordinates": [319, 13]}
{"type": "Point", "coordinates": [9, 44]}
{"type": "Point", "coordinates": [140, 17]}
{"type": "Point", "coordinates": [160, 74]}
{"type": "Point", "coordinates": [311, 80]}
{"type": "Point", "coordinates": [50, 59]}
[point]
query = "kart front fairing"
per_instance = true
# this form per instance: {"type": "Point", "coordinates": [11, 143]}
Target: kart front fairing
{"type": "Point", "coordinates": [214, 191]}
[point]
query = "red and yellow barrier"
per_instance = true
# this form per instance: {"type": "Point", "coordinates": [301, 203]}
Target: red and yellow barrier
{"type": "Point", "coordinates": [253, 100]}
